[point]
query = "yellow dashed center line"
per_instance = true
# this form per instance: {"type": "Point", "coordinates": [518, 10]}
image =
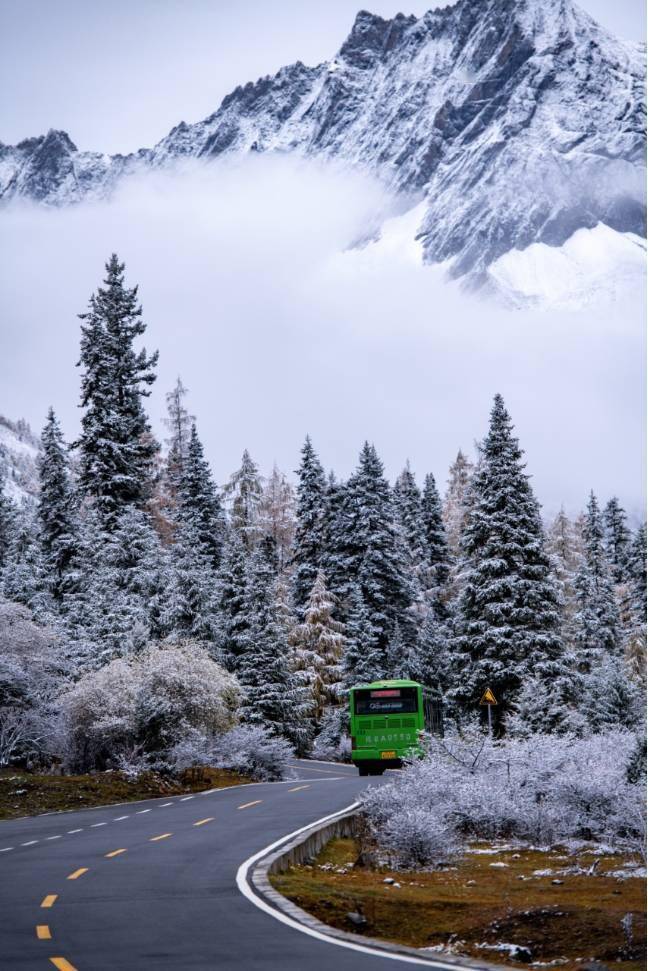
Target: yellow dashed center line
{"type": "Point", "coordinates": [49, 900]}
{"type": "Point", "coordinates": [75, 876]}
{"type": "Point", "coordinates": [246, 805]}
{"type": "Point", "coordinates": [43, 933]}
{"type": "Point", "coordinates": [164, 836]}
{"type": "Point", "coordinates": [297, 789]}
{"type": "Point", "coordinates": [62, 964]}
{"type": "Point", "coordinates": [201, 822]}
{"type": "Point", "coordinates": [109, 856]}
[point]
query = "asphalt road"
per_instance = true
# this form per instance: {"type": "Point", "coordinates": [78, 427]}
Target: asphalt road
{"type": "Point", "coordinates": [152, 885]}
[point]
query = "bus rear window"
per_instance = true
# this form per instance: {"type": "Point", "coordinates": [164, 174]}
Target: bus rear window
{"type": "Point", "coordinates": [385, 701]}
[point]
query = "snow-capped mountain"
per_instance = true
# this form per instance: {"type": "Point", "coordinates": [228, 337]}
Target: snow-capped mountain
{"type": "Point", "coordinates": [19, 449]}
{"type": "Point", "coordinates": [518, 122]}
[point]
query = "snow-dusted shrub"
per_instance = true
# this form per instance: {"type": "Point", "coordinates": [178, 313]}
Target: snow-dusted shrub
{"type": "Point", "coordinates": [332, 741]}
{"type": "Point", "coordinates": [254, 751]}
{"type": "Point", "coordinates": [138, 709]}
{"type": "Point", "coordinates": [545, 789]}
{"type": "Point", "coordinates": [250, 750]}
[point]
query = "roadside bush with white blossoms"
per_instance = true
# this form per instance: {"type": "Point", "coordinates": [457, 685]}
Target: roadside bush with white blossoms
{"type": "Point", "coordinates": [545, 789]}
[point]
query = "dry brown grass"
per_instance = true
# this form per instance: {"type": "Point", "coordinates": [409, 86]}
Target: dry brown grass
{"type": "Point", "coordinates": [576, 921]}
{"type": "Point", "coordinates": [25, 794]}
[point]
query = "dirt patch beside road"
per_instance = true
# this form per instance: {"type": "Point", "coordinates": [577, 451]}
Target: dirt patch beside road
{"type": "Point", "coordinates": [514, 905]}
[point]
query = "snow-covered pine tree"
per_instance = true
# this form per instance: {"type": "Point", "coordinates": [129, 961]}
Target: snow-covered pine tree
{"type": "Point", "coordinates": [616, 538]}
{"type": "Point", "coordinates": [198, 503]}
{"type": "Point", "coordinates": [116, 446]}
{"type": "Point", "coordinates": [244, 491]}
{"type": "Point", "coordinates": [457, 501]}
{"type": "Point", "coordinates": [429, 658]}
{"type": "Point", "coordinates": [409, 513]}
{"type": "Point", "coordinates": [363, 660]}
{"type": "Point", "coordinates": [232, 619]}
{"type": "Point", "coordinates": [308, 546]}
{"type": "Point", "coordinates": [272, 693]}
{"type": "Point", "coordinates": [179, 423]}
{"type": "Point", "coordinates": [365, 548]}
{"type": "Point", "coordinates": [597, 623]}
{"type": "Point", "coordinates": [507, 629]}
{"type": "Point", "coordinates": [56, 508]}
{"type": "Point", "coordinates": [437, 552]}
{"type": "Point", "coordinates": [7, 514]}
{"type": "Point", "coordinates": [24, 573]}
{"type": "Point", "coordinates": [635, 605]}
{"type": "Point", "coordinates": [318, 644]}
{"type": "Point", "coordinates": [120, 606]}
{"type": "Point", "coordinates": [277, 515]}
{"type": "Point", "coordinates": [191, 603]}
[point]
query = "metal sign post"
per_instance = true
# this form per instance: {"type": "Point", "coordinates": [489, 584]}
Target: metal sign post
{"type": "Point", "coordinates": [489, 699]}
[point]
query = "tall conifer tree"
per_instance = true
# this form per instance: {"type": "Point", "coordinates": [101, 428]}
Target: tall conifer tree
{"type": "Point", "coordinates": [308, 547]}
{"type": "Point", "coordinates": [617, 539]}
{"type": "Point", "coordinates": [56, 511]}
{"type": "Point", "coordinates": [597, 619]}
{"type": "Point", "coordinates": [116, 445]}
{"type": "Point", "coordinates": [199, 505]}
{"type": "Point", "coordinates": [508, 623]}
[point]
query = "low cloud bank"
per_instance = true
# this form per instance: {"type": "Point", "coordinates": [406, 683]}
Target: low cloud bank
{"type": "Point", "coordinates": [251, 293]}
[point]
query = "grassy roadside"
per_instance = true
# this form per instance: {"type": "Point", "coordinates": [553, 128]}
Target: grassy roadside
{"type": "Point", "coordinates": [563, 918]}
{"type": "Point", "coordinates": [25, 794]}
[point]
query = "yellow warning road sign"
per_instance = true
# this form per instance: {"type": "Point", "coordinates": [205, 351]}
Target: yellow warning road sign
{"type": "Point", "coordinates": [488, 698]}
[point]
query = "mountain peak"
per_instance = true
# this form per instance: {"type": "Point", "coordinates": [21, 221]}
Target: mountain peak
{"type": "Point", "coordinates": [519, 121]}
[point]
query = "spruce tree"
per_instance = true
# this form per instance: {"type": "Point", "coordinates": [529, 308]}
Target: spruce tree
{"type": "Point", "coordinates": [244, 490]}
{"type": "Point", "coordinates": [437, 552]}
{"type": "Point", "coordinates": [232, 619]}
{"type": "Point", "coordinates": [363, 660]}
{"type": "Point", "coordinates": [308, 546]}
{"type": "Point", "coordinates": [366, 549]}
{"type": "Point", "coordinates": [199, 506]}
{"type": "Point", "coordinates": [272, 693]}
{"type": "Point", "coordinates": [24, 573]}
{"type": "Point", "coordinates": [617, 538]}
{"type": "Point", "coordinates": [7, 514]}
{"type": "Point", "coordinates": [409, 512]}
{"type": "Point", "coordinates": [56, 510]}
{"type": "Point", "coordinates": [318, 644]}
{"type": "Point", "coordinates": [597, 618]}
{"type": "Point", "coordinates": [635, 605]}
{"type": "Point", "coordinates": [508, 622]}
{"type": "Point", "coordinates": [123, 601]}
{"type": "Point", "coordinates": [429, 659]}
{"type": "Point", "coordinates": [190, 609]}
{"type": "Point", "coordinates": [116, 446]}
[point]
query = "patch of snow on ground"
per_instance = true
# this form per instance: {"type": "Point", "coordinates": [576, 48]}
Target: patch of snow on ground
{"type": "Point", "coordinates": [594, 265]}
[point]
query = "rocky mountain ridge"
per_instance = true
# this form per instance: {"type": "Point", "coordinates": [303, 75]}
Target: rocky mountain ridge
{"type": "Point", "coordinates": [518, 122]}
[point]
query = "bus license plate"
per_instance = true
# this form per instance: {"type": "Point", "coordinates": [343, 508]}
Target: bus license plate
{"type": "Point", "coordinates": [388, 755]}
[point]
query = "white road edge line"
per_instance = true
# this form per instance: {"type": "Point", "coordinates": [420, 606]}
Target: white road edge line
{"type": "Point", "coordinates": [246, 889]}
{"type": "Point", "coordinates": [5, 849]}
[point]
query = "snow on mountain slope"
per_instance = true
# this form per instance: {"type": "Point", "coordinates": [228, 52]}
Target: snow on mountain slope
{"type": "Point", "coordinates": [19, 449]}
{"type": "Point", "coordinates": [518, 122]}
{"type": "Point", "coordinates": [594, 266]}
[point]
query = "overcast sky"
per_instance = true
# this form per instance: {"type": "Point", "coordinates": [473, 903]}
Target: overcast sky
{"type": "Point", "coordinates": [119, 75]}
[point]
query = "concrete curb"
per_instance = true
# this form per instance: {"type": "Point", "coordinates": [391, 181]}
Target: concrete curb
{"type": "Point", "coordinates": [307, 845]}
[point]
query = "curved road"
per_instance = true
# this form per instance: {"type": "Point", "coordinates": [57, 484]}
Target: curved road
{"type": "Point", "coordinates": [152, 885]}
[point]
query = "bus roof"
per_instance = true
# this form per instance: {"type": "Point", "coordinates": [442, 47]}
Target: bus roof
{"type": "Point", "coordinates": [393, 683]}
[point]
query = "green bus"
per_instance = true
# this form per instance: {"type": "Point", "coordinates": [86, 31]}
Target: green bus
{"type": "Point", "coordinates": [389, 720]}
